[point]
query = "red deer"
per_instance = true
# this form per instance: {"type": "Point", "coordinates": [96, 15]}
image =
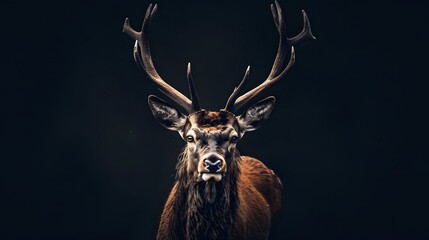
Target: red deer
{"type": "Point", "coordinates": [217, 194]}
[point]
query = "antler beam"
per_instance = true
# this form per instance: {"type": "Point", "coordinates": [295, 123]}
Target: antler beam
{"type": "Point", "coordinates": [277, 72]}
{"type": "Point", "coordinates": [144, 61]}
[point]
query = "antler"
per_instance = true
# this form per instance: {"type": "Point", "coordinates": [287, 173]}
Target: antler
{"type": "Point", "coordinates": [144, 61]}
{"type": "Point", "coordinates": [230, 103]}
{"type": "Point", "coordinates": [235, 103]}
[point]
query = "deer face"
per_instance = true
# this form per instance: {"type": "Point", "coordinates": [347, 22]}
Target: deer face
{"type": "Point", "coordinates": [211, 137]}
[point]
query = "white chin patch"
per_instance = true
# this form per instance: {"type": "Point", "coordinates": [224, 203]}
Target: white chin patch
{"type": "Point", "coordinates": [215, 176]}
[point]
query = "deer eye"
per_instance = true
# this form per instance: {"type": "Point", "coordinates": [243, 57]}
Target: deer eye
{"type": "Point", "coordinates": [234, 139]}
{"type": "Point", "coordinates": [189, 138]}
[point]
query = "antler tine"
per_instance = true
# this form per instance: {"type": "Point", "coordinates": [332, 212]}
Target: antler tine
{"type": "Point", "coordinates": [194, 96]}
{"type": "Point", "coordinates": [277, 72]}
{"type": "Point", "coordinates": [244, 99]}
{"type": "Point", "coordinates": [305, 32]}
{"type": "Point", "coordinates": [230, 103]}
{"type": "Point", "coordinates": [275, 17]}
{"type": "Point", "coordinates": [144, 61]}
{"type": "Point", "coordinates": [282, 48]}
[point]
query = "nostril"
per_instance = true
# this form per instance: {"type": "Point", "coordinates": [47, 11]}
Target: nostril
{"type": "Point", "coordinates": [208, 162]}
{"type": "Point", "coordinates": [213, 165]}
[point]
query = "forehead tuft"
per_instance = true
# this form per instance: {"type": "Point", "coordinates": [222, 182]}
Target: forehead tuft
{"type": "Point", "coordinates": [213, 120]}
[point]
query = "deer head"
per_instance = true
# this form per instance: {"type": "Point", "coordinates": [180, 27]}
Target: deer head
{"type": "Point", "coordinates": [212, 136]}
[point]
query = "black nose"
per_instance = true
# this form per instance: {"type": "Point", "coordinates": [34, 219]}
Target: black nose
{"type": "Point", "coordinates": [212, 164]}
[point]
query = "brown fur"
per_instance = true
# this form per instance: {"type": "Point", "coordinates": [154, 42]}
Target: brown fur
{"type": "Point", "coordinates": [259, 191]}
{"type": "Point", "coordinates": [258, 197]}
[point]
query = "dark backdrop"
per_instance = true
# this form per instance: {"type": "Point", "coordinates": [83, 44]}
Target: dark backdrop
{"type": "Point", "coordinates": [83, 158]}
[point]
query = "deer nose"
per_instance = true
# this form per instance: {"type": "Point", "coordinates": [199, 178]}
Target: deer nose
{"type": "Point", "coordinates": [213, 164]}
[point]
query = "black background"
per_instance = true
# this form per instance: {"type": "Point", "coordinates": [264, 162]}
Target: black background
{"type": "Point", "coordinates": [83, 158]}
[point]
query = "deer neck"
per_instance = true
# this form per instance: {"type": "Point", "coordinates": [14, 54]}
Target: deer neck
{"type": "Point", "coordinates": [209, 208]}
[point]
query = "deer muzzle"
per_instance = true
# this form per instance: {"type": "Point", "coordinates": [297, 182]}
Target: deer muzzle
{"type": "Point", "coordinates": [212, 167]}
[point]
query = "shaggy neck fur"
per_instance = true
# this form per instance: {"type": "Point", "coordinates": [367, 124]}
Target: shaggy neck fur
{"type": "Point", "coordinates": [207, 209]}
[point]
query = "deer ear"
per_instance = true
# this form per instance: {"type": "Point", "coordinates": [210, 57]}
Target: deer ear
{"type": "Point", "coordinates": [255, 115]}
{"type": "Point", "coordinates": [167, 116]}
